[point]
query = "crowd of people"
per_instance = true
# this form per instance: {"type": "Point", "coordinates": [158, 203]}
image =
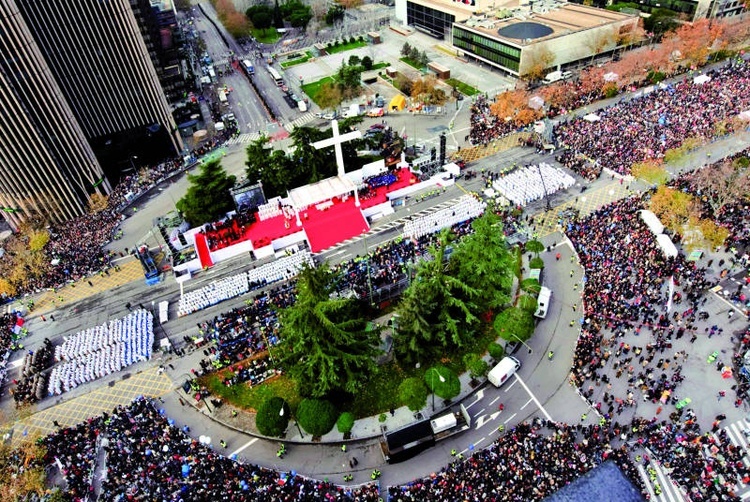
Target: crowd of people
{"type": "Point", "coordinates": [529, 462]}
{"type": "Point", "coordinates": [581, 165]}
{"type": "Point", "coordinates": [646, 127]}
{"type": "Point", "coordinates": [148, 457]}
{"type": "Point", "coordinates": [627, 330]}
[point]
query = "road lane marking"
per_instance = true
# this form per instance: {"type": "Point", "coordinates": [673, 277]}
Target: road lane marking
{"type": "Point", "coordinates": [479, 412]}
{"type": "Point", "coordinates": [510, 418]}
{"type": "Point", "coordinates": [527, 403]}
{"type": "Point", "coordinates": [511, 386]}
{"type": "Point", "coordinates": [533, 397]}
{"type": "Point", "coordinates": [494, 400]}
{"type": "Point", "coordinates": [241, 448]}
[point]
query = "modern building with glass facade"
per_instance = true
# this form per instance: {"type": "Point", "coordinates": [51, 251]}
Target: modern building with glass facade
{"type": "Point", "coordinates": [80, 100]}
{"type": "Point", "coordinates": [561, 36]}
{"type": "Point", "coordinates": [46, 164]}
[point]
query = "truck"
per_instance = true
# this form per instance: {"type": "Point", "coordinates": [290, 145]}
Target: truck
{"type": "Point", "coordinates": [406, 442]}
{"type": "Point", "coordinates": [223, 97]}
{"type": "Point", "coordinates": [557, 75]}
{"type": "Point", "coordinates": [353, 111]}
{"type": "Point", "coordinates": [502, 372]}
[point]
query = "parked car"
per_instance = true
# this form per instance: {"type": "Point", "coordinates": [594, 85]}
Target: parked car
{"type": "Point", "coordinates": [376, 112]}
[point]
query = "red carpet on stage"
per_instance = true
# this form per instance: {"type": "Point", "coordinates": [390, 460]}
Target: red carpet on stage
{"type": "Point", "coordinates": [201, 246]}
{"type": "Point", "coordinates": [338, 223]}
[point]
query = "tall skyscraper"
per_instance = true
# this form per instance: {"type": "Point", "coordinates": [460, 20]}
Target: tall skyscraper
{"type": "Point", "coordinates": [97, 54]}
{"type": "Point", "coordinates": [46, 163]}
{"type": "Point", "coordinates": [80, 101]}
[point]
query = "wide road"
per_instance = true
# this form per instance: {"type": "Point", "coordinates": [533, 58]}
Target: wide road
{"type": "Point", "coordinates": [243, 100]}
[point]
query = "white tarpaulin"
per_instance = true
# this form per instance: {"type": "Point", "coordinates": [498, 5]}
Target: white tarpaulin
{"type": "Point", "coordinates": [701, 79]}
{"type": "Point", "coordinates": [591, 117]}
{"type": "Point", "coordinates": [666, 245]}
{"type": "Point", "coordinates": [652, 222]}
{"type": "Point", "coordinates": [610, 77]}
{"type": "Point", "coordinates": [536, 102]}
{"type": "Point", "coordinates": [744, 116]}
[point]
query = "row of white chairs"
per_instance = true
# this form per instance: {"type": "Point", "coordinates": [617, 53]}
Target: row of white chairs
{"type": "Point", "coordinates": [286, 267]}
{"type": "Point", "coordinates": [467, 207]}
{"type": "Point", "coordinates": [213, 293]}
{"type": "Point", "coordinates": [93, 339]}
{"type": "Point", "coordinates": [530, 183]}
{"type": "Point", "coordinates": [135, 344]}
{"type": "Point", "coordinates": [270, 209]}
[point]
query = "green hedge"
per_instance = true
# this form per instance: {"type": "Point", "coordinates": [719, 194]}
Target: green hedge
{"type": "Point", "coordinates": [316, 416]}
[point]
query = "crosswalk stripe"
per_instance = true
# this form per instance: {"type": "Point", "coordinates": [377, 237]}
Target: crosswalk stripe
{"type": "Point", "coordinates": [646, 481]}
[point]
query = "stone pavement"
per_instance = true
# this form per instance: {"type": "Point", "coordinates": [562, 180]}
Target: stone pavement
{"type": "Point", "coordinates": [47, 301]}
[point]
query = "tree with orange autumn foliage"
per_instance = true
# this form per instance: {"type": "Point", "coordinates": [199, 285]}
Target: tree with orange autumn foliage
{"type": "Point", "coordinates": [696, 40]}
{"type": "Point", "coordinates": [513, 106]}
{"type": "Point", "coordinates": [235, 22]}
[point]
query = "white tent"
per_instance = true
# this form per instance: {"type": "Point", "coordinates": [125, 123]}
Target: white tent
{"type": "Point", "coordinates": [592, 117]}
{"type": "Point", "coordinates": [701, 79]}
{"type": "Point", "coordinates": [610, 77]}
{"type": "Point", "coordinates": [744, 116]}
{"type": "Point", "coordinates": [536, 102]}
{"type": "Point", "coordinates": [666, 245]}
{"type": "Point", "coordinates": [652, 222]}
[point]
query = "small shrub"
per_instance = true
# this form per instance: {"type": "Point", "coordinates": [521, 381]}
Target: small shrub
{"type": "Point", "coordinates": [382, 418]}
{"type": "Point", "coordinates": [447, 388]}
{"type": "Point", "coordinates": [536, 262]}
{"type": "Point", "coordinates": [496, 351]}
{"type": "Point", "coordinates": [527, 303]}
{"type": "Point", "coordinates": [345, 423]}
{"type": "Point", "coordinates": [316, 416]}
{"type": "Point", "coordinates": [413, 393]}
{"type": "Point", "coordinates": [476, 366]}
{"type": "Point", "coordinates": [269, 421]}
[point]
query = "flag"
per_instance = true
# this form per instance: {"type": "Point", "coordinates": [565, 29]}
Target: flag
{"type": "Point", "coordinates": [10, 210]}
{"type": "Point", "coordinates": [101, 180]}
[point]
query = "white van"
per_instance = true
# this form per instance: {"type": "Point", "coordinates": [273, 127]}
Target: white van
{"type": "Point", "coordinates": [503, 371]}
{"type": "Point", "coordinates": [542, 302]}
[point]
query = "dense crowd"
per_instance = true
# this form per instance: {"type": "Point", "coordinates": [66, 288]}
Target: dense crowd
{"type": "Point", "coordinates": [579, 164]}
{"type": "Point", "coordinates": [77, 245]}
{"type": "Point", "coordinates": [707, 466]}
{"type": "Point", "coordinates": [627, 330]}
{"type": "Point", "coordinates": [148, 457]}
{"type": "Point", "coordinates": [646, 127]}
{"type": "Point", "coordinates": [529, 462]}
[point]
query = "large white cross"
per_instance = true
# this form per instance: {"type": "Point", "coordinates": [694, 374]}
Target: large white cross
{"type": "Point", "coordinates": [336, 142]}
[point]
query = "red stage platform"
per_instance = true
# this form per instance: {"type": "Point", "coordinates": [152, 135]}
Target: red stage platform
{"type": "Point", "coordinates": [337, 223]}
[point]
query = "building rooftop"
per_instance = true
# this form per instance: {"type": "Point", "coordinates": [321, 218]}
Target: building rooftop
{"type": "Point", "coordinates": [522, 22]}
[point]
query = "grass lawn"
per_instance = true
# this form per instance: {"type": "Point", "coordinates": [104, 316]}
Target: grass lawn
{"type": "Point", "coordinates": [267, 36]}
{"type": "Point", "coordinates": [412, 63]}
{"type": "Point", "coordinates": [464, 88]}
{"type": "Point", "coordinates": [380, 66]}
{"type": "Point", "coordinates": [250, 398]}
{"type": "Point", "coordinates": [346, 47]}
{"type": "Point", "coordinates": [313, 88]}
{"type": "Point", "coordinates": [294, 62]}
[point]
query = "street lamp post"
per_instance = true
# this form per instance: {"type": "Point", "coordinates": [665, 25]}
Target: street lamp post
{"type": "Point", "coordinates": [432, 381]}
{"type": "Point", "coordinates": [524, 343]}
{"type": "Point", "coordinates": [281, 414]}
{"type": "Point", "coordinates": [544, 187]}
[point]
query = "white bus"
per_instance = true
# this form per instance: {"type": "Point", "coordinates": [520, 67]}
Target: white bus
{"type": "Point", "coordinates": [275, 75]}
{"type": "Point", "coordinates": [249, 68]}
